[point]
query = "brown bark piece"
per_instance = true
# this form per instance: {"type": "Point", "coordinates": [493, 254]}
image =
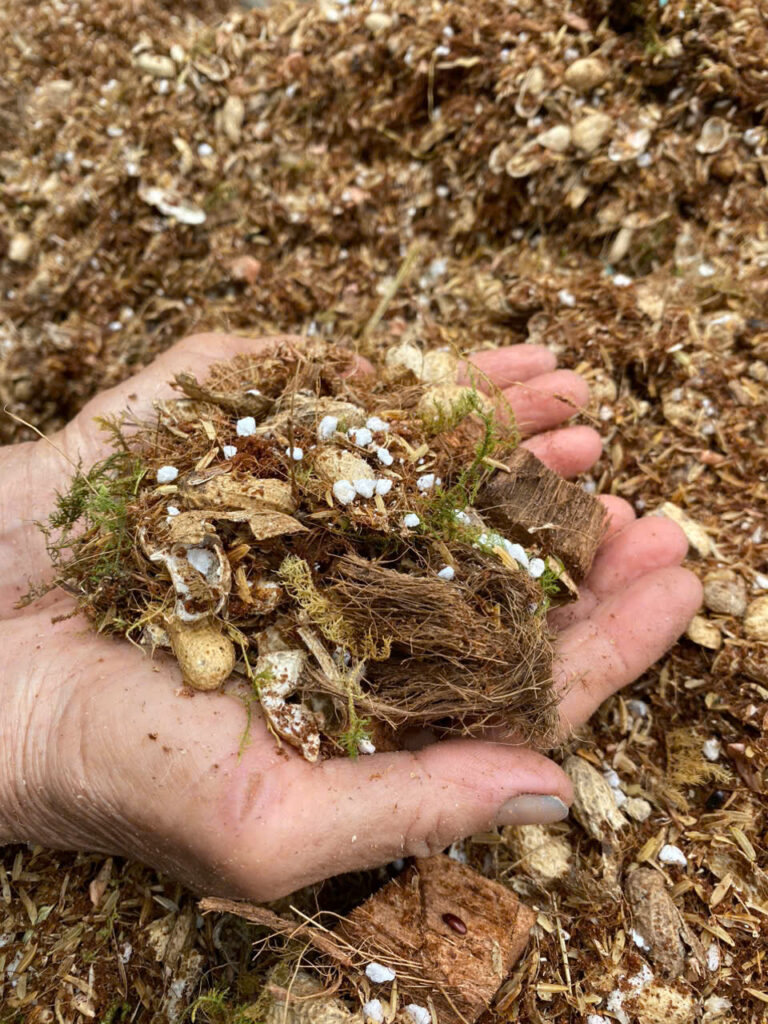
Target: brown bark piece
{"type": "Point", "coordinates": [532, 504]}
{"type": "Point", "coordinates": [451, 934]}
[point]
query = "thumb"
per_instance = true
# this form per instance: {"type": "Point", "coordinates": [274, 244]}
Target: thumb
{"type": "Point", "coordinates": [362, 813]}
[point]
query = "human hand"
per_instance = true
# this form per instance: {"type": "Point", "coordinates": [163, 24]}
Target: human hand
{"type": "Point", "coordinates": [99, 751]}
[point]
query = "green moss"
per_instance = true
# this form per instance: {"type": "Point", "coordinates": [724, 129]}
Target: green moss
{"type": "Point", "coordinates": [117, 1013]}
{"type": "Point", "coordinates": [215, 1007]}
{"type": "Point", "coordinates": [356, 732]}
{"type": "Point", "coordinates": [442, 418]}
{"type": "Point", "coordinates": [439, 515]}
{"type": "Point", "coordinates": [89, 524]}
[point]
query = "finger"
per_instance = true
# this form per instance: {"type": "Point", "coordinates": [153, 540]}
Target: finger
{"type": "Point", "coordinates": [639, 548]}
{"type": "Point", "coordinates": [498, 368]}
{"type": "Point", "coordinates": [567, 451]}
{"type": "Point", "coordinates": [544, 401]}
{"type": "Point", "coordinates": [620, 513]}
{"type": "Point", "coordinates": [372, 810]}
{"type": "Point", "coordinates": [623, 636]}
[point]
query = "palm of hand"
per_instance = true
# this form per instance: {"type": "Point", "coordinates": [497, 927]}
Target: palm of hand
{"type": "Point", "coordinates": [100, 751]}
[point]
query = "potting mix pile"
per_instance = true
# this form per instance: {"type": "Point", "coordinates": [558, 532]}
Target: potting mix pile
{"type": "Point", "coordinates": [376, 176]}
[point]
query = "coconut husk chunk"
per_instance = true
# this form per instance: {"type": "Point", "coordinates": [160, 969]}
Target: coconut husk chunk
{"type": "Point", "coordinates": [450, 935]}
{"type": "Point", "coordinates": [459, 932]}
{"type": "Point", "coordinates": [532, 504]}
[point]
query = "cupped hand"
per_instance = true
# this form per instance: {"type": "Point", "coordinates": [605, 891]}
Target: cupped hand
{"type": "Point", "coordinates": [100, 751]}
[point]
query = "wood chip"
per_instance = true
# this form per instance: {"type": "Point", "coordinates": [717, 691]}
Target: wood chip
{"type": "Point", "coordinates": [410, 919]}
{"type": "Point", "coordinates": [533, 505]}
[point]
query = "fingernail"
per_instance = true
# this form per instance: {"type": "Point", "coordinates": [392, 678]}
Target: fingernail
{"type": "Point", "coordinates": [531, 809]}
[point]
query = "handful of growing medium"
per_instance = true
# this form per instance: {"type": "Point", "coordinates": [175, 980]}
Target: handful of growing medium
{"type": "Point", "coordinates": [357, 550]}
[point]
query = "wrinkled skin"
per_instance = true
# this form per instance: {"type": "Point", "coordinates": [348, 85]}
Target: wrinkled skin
{"type": "Point", "coordinates": [98, 751]}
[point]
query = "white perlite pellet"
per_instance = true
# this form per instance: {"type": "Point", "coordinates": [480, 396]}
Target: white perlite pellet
{"type": "Point", "coordinates": [384, 457]}
{"type": "Point", "coordinates": [246, 427]}
{"type": "Point", "coordinates": [447, 572]}
{"type": "Point", "coordinates": [711, 749]}
{"type": "Point", "coordinates": [361, 436]}
{"type": "Point", "coordinates": [411, 520]}
{"type": "Point", "coordinates": [374, 423]}
{"type": "Point", "coordinates": [344, 492]}
{"type": "Point", "coordinates": [167, 474]}
{"type": "Point", "coordinates": [378, 973]}
{"type": "Point", "coordinates": [383, 486]}
{"type": "Point", "coordinates": [229, 451]}
{"type": "Point", "coordinates": [669, 854]}
{"type": "Point", "coordinates": [366, 488]}
{"type": "Point", "coordinates": [201, 559]}
{"type": "Point", "coordinates": [297, 454]}
{"type": "Point", "coordinates": [326, 428]}
{"type": "Point", "coordinates": [373, 1010]}
{"type": "Point", "coordinates": [418, 1014]}
{"type": "Point", "coordinates": [536, 568]}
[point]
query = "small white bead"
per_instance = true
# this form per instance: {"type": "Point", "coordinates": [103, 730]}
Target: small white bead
{"type": "Point", "coordinates": [326, 428]}
{"type": "Point", "coordinates": [246, 427]}
{"type": "Point", "coordinates": [566, 298]}
{"type": "Point", "coordinates": [383, 486]}
{"type": "Point", "coordinates": [361, 436]}
{"type": "Point", "coordinates": [517, 551]}
{"type": "Point", "coordinates": [378, 973]}
{"type": "Point", "coordinates": [229, 451]}
{"type": "Point", "coordinates": [536, 568]}
{"type": "Point", "coordinates": [672, 855]}
{"type": "Point", "coordinates": [365, 488]}
{"type": "Point", "coordinates": [411, 520]}
{"type": "Point", "coordinates": [366, 747]}
{"type": "Point", "coordinates": [374, 423]}
{"type": "Point", "coordinates": [447, 572]}
{"type": "Point", "coordinates": [297, 454]}
{"type": "Point", "coordinates": [344, 492]}
{"type": "Point", "coordinates": [384, 457]}
{"type": "Point", "coordinates": [172, 510]}
{"type": "Point", "coordinates": [373, 1010]}
{"type": "Point", "coordinates": [201, 559]}
{"type": "Point", "coordinates": [167, 474]}
{"type": "Point", "coordinates": [418, 1014]}
{"type": "Point", "coordinates": [711, 749]}
{"type": "Point", "coordinates": [426, 482]}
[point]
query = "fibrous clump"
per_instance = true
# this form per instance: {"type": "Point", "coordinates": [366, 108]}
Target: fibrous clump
{"type": "Point", "coordinates": [319, 534]}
